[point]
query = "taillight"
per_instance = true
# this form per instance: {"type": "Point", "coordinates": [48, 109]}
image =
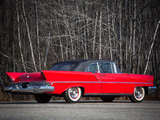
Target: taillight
{"type": "Point", "coordinates": [43, 76]}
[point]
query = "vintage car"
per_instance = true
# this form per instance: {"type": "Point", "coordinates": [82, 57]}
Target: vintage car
{"type": "Point", "coordinates": [76, 78]}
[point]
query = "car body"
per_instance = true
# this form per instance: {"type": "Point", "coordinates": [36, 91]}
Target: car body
{"type": "Point", "coordinates": [76, 78]}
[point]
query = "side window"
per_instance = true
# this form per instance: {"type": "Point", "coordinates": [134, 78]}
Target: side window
{"type": "Point", "coordinates": [105, 68]}
{"type": "Point", "coordinates": [92, 68]}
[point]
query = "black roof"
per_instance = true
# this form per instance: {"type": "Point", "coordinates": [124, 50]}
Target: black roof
{"type": "Point", "coordinates": [89, 60]}
{"type": "Point", "coordinates": [81, 65]}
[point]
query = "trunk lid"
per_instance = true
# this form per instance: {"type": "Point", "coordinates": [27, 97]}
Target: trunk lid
{"type": "Point", "coordinates": [30, 77]}
{"type": "Point", "coordinates": [25, 77]}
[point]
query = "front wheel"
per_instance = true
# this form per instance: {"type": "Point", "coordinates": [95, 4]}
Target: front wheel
{"type": "Point", "coordinates": [138, 94]}
{"type": "Point", "coordinates": [73, 95]}
{"type": "Point", "coordinates": [42, 98]}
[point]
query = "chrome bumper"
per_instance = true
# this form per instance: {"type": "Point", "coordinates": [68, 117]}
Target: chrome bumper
{"type": "Point", "coordinates": [151, 90]}
{"type": "Point", "coordinates": [29, 88]}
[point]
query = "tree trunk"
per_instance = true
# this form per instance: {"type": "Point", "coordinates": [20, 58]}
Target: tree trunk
{"type": "Point", "coordinates": [130, 41]}
{"type": "Point", "coordinates": [134, 36]}
{"type": "Point", "coordinates": [150, 50]}
{"type": "Point", "coordinates": [109, 32]}
{"type": "Point", "coordinates": [37, 30]}
{"type": "Point", "coordinates": [95, 33]}
{"type": "Point", "coordinates": [120, 35]}
{"type": "Point", "coordinates": [47, 49]}
{"type": "Point", "coordinates": [19, 37]}
{"type": "Point", "coordinates": [100, 35]}
{"type": "Point", "coordinates": [29, 37]}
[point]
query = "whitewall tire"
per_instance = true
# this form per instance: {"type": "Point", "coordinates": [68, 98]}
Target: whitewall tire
{"type": "Point", "coordinates": [73, 95]}
{"type": "Point", "coordinates": [138, 94]}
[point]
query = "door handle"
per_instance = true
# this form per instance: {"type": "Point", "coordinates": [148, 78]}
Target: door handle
{"type": "Point", "coordinates": [103, 74]}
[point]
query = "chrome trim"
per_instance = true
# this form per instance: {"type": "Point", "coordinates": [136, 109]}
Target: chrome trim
{"type": "Point", "coordinates": [115, 69]}
{"type": "Point", "coordinates": [109, 94]}
{"type": "Point", "coordinates": [129, 82]}
{"type": "Point", "coordinates": [76, 82]}
{"type": "Point", "coordinates": [101, 82]}
{"type": "Point", "coordinates": [98, 67]}
{"type": "Point", "coordinates": [29, 88]}
{"type": "Point", "coordinates": [149, 80]}
{"type": "Point", "coordinates": [151, 90]}
{"type": "Point", "coordinates": [96, 77]}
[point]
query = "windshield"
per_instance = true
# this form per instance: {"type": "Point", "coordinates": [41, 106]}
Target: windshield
{"type": "Point", "coordinates": [63, 66]}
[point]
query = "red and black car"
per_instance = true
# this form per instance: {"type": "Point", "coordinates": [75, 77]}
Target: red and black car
{"type": "Point", "coordinates": [77, 78]}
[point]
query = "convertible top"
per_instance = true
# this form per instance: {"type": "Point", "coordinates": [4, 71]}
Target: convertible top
{"type": "Point", "coordinates": [89, 60]}
{"type": "Point", "coordinates": [81, 65]}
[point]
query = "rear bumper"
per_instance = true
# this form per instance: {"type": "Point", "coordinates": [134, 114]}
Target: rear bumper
{"type": "Point", "coordinates": [29, 88]}
{"type": "Point", "coordinates": [151, 90]}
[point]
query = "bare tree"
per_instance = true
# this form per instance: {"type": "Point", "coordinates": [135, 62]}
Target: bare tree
{"type": "Point", "coordinates": [100, 35]}
{"type": "Point", "coordinates": [29, 37]}
{"type": "Point", "coordinates": [150, 50]}
{"type": "Point", "coordinates": [37, 31]}
{"type": "Point", "coordinates": [19, 37]}
{"type": "Point", "coordinates": [38, 44]}
{"type": "Point", "coordinates": [95, 35]}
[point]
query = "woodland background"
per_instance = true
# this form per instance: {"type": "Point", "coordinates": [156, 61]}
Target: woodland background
{"type": "Point", "coordinates": [34, 34]}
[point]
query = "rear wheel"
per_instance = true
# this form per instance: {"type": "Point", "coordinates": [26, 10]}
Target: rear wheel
{"type": "Point", "coordinates": [42, 98]}
{"type": "Point", "coordinates": [73, 95]}
{"type": "Point", "coordinates": [138, 94]}
{"type": "Point", "coordinates": [107, 98]}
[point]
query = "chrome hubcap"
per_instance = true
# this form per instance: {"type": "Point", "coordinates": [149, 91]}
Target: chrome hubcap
{"type": "Point", "coordinates": [138, 92]}
{"type": "Point", "coordinates": [74, 93]}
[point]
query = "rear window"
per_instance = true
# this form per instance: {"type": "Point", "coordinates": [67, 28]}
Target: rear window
{"type": "Point", "coordinates": [63, 66]}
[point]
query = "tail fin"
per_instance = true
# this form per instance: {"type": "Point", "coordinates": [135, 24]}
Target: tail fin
{"type": "Point", "coordinates": [13, 75]}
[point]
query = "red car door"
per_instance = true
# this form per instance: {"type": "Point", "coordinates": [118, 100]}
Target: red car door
{"type": "Point", "coordinates": [113, 83]}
